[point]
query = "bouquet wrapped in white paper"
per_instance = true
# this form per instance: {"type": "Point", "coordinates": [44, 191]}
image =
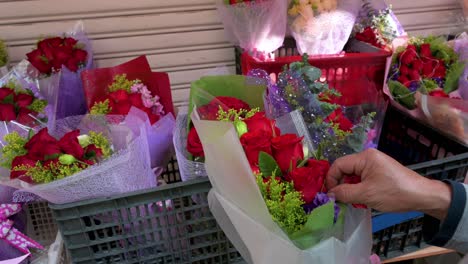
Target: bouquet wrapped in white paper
{"type": "Point", "coordinates": [268, 183]}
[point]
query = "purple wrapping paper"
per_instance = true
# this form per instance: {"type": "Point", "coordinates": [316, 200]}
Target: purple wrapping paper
{"type": "Point", "coordinates": [159, 135]}
{"type": "Point", "coordinates": [71, 99]}
{"type": "Point", "coordinates": [6, 250]}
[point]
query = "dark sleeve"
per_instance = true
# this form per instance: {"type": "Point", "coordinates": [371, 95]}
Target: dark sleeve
{"type": "Point", "coordinates": [453, 231]}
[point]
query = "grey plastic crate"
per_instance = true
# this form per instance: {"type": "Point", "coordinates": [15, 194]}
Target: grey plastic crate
{"type": "Point", "coordinates": [170, 224]}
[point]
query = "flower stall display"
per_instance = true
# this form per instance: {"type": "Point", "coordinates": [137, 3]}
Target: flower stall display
{"type": "Point", "coordinates": [255, 26]}
{"type": "Point", "coordinates": [4, 59]}
{"type": "Point", "coordinates": [269, 187]}
{"type": "Point", "coordinates": [234, 94]}
{"type": "Point", "coordinates": [133, 90]}
{"type": "Point", "coordinates": [54, 65]}
{"type": "Point", "coordinates": [82, 157]}
{"type": "Point", "coordinates": [428, 76]}
{"type": "Point", "coordinates": [322, 27]}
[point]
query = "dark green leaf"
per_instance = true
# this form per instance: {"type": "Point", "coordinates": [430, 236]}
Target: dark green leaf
{"type": "Point", "coordinates": [452, 77]}
{"type": "Point", "coordinates": [267, 165]}
{"type": "Point", "coordinates": [318, 221]}
{"type": "Point", "coordinates": [8, 99]}
{"type": "Point", "coordinates": [312, 73]}
{"type": "Point", "coordinates": [402, 94]}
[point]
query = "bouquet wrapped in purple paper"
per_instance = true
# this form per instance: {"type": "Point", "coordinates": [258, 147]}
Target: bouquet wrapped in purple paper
{"type": "Point", "coordinates": [54, 66]}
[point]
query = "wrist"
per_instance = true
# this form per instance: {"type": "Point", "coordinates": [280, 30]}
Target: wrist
{"type": "Point", "coordinates": [435, 198]}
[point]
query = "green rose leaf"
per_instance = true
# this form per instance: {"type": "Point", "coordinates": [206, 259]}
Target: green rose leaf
{"type": "Point", "coordinates": [402, 94]}
{"type": "Point", "coordinates": [267, 165]}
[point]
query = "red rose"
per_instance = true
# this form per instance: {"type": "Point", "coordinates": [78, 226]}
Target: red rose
{"type": "Point", "coordinates": [307, 181]}
{"type": "Point", "coordinates": [23, 100]}
{"type": "Point", "coordinates": [425, 50]}
{"type": "Point", "coordinates": [230, 103]}
{"type": "Point", "coordinates": [287, 150]}
{"type": "Point", "coordinates": [136, 101]}
{"type": "Point", "coordinates": [411, 47]}
{"type": "Point", "coordinates": [320, 166]}
{"type": "Point", "coordinates": [69, 144]}
{"type": "Point", "coordinates": [119, 96]}
{"type": "Point", "coordinates": [44, 151]}
{"type": "Point", "coordinates": [24, 116]}
{"type": "Point", "coordinates": [407, 56]}
{"type": "Point", "coordinates": [7, 112]}
{"type": "Point", "coordinates": [438, 93]}
{"type": "Point", "coordinates": [255, 141]}
{"type": "Point", "coordinates": [62, 54]}
{"type": "Point", "coordinates": [41, 136]}
{"type": "Point", "coordinates": [36, 58]}
{"type": "Point", "coordinates": [46, 49]}
{"type": "Point", "coordinates": [80, 55]}
{"type": "Point", "coordinates": [53, 42]}
{"type": "Point", "coordinates": [208, 112]}
{"type": "Point", "coordinates": [428, 69]}
{"type": "Point", "coordinates": [194, 145]}
{"type": "Point", "coordinates": [440, 71]}
{"type": "Point", "coordinates": [20, 161]}
{"type": "Point", "coordinates": [72, 64]}
{"type": "Point", "coordinates": [70, 42]}
{"type": "Point", "coordinates": [5, 92]}
{"type": "Point", "coordinates": [404, 80]}
{"type": "Point", "coordinates": [414, 75]}
{"type": "Point", "coordinates": [417, 65]}
{"type": "Point", "coordinates": [260, 122]}
{"type": "Point", "coordinates": [93, 150]}
{"type": "Point", "coordinates": [404, 70]}
{"type": "Point", "coordinates": [121, 108]}
{"type": "Point", "coordinates": [337, 117]}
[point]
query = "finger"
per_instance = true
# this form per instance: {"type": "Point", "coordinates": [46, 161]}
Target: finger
{"type": "Point", "coordinates": [349, 193]}
{"type": "Point", "coordinates": [348, 165]}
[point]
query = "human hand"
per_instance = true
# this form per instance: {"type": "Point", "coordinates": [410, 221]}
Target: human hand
{"type": "Point", "coordinates": [387, 186]}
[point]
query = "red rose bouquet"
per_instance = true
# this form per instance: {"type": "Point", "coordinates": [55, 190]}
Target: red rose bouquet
{"type": "Point", "coordinates": [124, 94]}
{"type": "Point", "coordinates": [377, 25]}
{"type": "Point", "coordinates": [426, 65]}
{"type": "Point", "coordinates": [82, 157]}
{"type": "Point", "coordinates": [55, 64]}
{"type": "Point", "coordinates": [133, 90]}
{"type": "Point", "coordinates": [268, 185]}
{"type": "Point", "coordinates": [428, 78]}
{"type": "Point", "coordinates": [21, 103]}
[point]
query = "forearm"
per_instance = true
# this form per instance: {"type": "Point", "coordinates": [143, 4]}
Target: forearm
{"type": "Point", "coordinates": [435, 198]}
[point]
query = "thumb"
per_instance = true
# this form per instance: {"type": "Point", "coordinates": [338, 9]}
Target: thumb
{"type": "Point", "coordinates": [348, 193]}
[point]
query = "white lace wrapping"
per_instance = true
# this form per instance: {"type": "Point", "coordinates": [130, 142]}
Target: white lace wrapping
{"type": "Point", "coordinates": [255, 25]}
{"type": "Point", "coordinates": [188, 169]}
{"type": "Point", "coordinates": [328, 32]}
{"type": "Point", "coordinates": [127, 170]}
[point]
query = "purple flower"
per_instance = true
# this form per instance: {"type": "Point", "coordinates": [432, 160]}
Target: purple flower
{"type": "Point", "coordinates": [439, 81]}
{"type": "Point", "coordinates": [414, 86]}
{"type": "Point", "coordinates": [319, 200]}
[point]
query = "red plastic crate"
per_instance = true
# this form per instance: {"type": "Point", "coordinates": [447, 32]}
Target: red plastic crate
{"type": "Point", "coordinates": [355, 75]}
